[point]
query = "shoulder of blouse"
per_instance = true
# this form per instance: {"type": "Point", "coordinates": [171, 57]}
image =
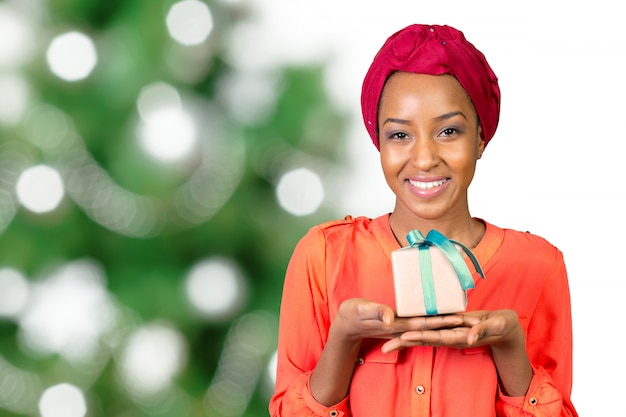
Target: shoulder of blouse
{"type": "Point", "coordinates": [525, 239]}
{"type": "Point", "coordinates": [345, 221]}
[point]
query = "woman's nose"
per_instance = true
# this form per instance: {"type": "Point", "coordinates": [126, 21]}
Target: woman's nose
{"type": "Point", "coordinates": [424, 154]}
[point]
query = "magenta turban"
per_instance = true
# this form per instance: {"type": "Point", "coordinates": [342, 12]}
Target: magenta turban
{"type": "Point", "coordinates": [435, 50]}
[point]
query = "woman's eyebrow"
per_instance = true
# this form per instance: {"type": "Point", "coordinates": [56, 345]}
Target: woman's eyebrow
{"type": "Point", "coordinates": [394, 120]}
{"type": "Point", "coordinates": [450, 115]}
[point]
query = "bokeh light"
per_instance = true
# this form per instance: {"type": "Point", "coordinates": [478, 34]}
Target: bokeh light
{"type": "Point", "coordinates": [72, 56]}
{"type": "Point", "coordinates": [16, 37]}
{"type": "Point", "coordinates": [189, 22]}
{"type": "Point", "coordinates": [249, 96]}
{"type": "Point", "coordinates": [69, 312]}
{"type": "Point", "coordinates": [63, 400]}
{"type": "Point", "coordinates": [216, 288]}
{"type": "Point", "coordinates": [152, 356]}
{"type": "Point", "coordinates": [168, 134]}
{"type": "Point", "coordinates": [14, 98]}
{"type": "Point", "coordinates": [49, 128]}
{"type": "Point", "coordinates": [241, 364]}
{"type": "Point", "coordinates": [300, 191]}
{"type": "Point", "coordinates": [271, 368]}
{"type": "Point", "coordinates": [14, 291]}
{"type": "Point", "coordinates": [110, 205]}
{"type": "Point", "coordinates": [12, 164]}
{"type": "Point", "coordinates": [40, 188]}
{"type": "Point", "coordinates": [19, 389]}
{"type": "Point", "coordinates": [155, 97]}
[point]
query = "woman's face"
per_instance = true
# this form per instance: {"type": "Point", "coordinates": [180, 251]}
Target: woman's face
{"type": "Point", "coordinates": [430, 140]}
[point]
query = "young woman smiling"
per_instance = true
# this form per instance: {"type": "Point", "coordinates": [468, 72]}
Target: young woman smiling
{"type": "Point", "coordinates": [431, 105]}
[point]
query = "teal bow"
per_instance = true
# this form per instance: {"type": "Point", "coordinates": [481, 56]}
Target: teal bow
{"type": "Point", "coordinates": [435, 238]}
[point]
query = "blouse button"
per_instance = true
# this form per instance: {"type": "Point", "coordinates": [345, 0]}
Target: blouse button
{"type": "Point", "coordinates": [420, 389]}
{"type": "Point", "coordinates": [532, 401]}
{"type": "Point", "coordinates": [334, 413]}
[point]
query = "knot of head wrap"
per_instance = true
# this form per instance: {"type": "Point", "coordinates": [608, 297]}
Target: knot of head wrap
{"type": "Point", "coordinates": [435, 50]}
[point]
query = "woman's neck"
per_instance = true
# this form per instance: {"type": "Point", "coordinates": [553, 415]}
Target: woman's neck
{"type": "Point", "coordinates": [469, 231]}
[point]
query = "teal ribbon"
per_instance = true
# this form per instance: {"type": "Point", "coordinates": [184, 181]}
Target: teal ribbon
{"type": "Point", "coordinates": [434, 238]}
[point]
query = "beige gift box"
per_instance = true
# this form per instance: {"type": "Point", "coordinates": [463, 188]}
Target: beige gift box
{"type": "Point", "coordinates": [430, 276]}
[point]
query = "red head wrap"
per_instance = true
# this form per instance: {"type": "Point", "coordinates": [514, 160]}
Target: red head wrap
{"type": "Point", "coordinates": [434, 50]}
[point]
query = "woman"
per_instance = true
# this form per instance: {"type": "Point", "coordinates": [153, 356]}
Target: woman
{"type": "Point", "coordinates": [431, 105]}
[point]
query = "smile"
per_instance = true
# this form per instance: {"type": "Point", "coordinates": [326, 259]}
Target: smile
{"type": "Point", "coordinates": [426, 185]}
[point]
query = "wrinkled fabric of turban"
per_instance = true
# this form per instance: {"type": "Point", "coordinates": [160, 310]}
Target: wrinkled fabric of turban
{"type": "Point", "coordinates": [435, 50]}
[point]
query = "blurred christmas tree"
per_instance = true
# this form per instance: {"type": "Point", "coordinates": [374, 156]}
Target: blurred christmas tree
{"type": "Point", "coordinates": [151, 193]}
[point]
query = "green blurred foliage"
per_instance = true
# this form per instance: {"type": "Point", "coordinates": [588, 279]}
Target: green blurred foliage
{"type": "Point", "coordinates": [145, 275]}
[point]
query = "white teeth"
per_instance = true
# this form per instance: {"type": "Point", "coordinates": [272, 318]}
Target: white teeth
{"type": "Point", "coordinates": [426, 185]}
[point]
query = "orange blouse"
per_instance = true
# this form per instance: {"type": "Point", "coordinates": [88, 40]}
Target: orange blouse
{"type": "Point", "coordinates": [351, 258]}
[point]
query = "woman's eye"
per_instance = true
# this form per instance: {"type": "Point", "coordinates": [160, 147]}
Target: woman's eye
{"type": "Point", "coordinates": [398, 135]}
{"type": "Point", "coordinates": [449, 131]}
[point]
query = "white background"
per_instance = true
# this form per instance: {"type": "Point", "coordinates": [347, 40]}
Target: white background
{"type": "Point", "coordinates": [555, 165]}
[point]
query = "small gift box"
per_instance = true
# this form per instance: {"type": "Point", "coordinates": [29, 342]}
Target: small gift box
{"type": "Point", "coordinates": [430, 275]}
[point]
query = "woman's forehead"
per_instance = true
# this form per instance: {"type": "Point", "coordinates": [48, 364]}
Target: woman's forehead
{"type": "Point", "coordinates": [407, 87]}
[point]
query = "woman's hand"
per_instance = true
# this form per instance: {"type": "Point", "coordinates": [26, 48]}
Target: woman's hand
{"type": "Point", "coordinates": [359, 318]}
{"type": "Point", "coordinates": [476, 328]}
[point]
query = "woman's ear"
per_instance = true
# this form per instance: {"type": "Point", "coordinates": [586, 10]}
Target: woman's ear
{"type": "Point", "coordinates": [481, 142]}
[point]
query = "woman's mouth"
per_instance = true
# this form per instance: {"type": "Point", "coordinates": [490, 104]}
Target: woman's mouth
{"type": "Point", "coordinates": [428, 189]}
{"type": "Point", "coordinates": [427, 185]}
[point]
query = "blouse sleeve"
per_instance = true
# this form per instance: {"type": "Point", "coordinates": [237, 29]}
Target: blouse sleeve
{"type": "Point", "coordinates": [303, 330]}
{"type": "Point", "coordinates": [549, 347]}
